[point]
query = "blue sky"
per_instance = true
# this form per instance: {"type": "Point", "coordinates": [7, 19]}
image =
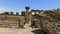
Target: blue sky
{"type": "Point", "coordinates": [19, 5]}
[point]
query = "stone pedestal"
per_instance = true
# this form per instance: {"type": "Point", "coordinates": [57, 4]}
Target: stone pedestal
{"type": "Point", "coordinates": [21, 21]}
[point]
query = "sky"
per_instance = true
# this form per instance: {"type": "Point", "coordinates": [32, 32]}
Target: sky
{"type": "Point", "coordinates": [19, 5]}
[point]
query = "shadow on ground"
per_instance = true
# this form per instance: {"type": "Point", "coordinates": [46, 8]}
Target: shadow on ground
{"type": "Point", "coordinates": [39, 31]}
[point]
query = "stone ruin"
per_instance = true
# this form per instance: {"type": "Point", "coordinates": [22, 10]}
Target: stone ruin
{"type": "Point", "coordinates": [48, 20]}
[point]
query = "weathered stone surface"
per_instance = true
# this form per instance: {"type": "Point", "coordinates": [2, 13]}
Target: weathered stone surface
{"type": "Point", "coordinates": [21, 22]}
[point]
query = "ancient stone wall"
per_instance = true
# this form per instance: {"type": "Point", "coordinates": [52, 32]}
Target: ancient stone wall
{"type": "Point", "coordinates": [52, 23]}
{"type": "Point", "coordinates": [48, 20]}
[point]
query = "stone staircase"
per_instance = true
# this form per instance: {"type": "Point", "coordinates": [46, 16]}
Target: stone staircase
{"type": "Point", "coordinates": [9, 24]}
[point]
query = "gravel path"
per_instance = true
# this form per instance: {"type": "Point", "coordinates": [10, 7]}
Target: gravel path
{"type": "Point", "coordinates": [26, 30]}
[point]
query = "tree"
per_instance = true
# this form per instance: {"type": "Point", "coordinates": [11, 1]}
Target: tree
{"type": "Point", "coordinates": [17, 13]}
{"type": "Point", "coordinates": [6, 13]}
{"type": "Point", "coordinates": [11, 13]}
{"type": "Point", "coordinates": [23, 13]}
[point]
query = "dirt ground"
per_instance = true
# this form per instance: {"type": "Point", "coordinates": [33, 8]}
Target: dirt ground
{"type": "Point", "coordinates": [26, 30]}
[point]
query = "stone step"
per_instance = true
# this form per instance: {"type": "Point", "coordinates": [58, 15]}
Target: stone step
{"type": "Point", "coordinates": [11, 24]}
{"type": "Point", "coordinates": [2, 22]}
{"type": "Point", "coordinates": [14, 24]}
{"type": "Point", "coordinates": [3, 25]}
